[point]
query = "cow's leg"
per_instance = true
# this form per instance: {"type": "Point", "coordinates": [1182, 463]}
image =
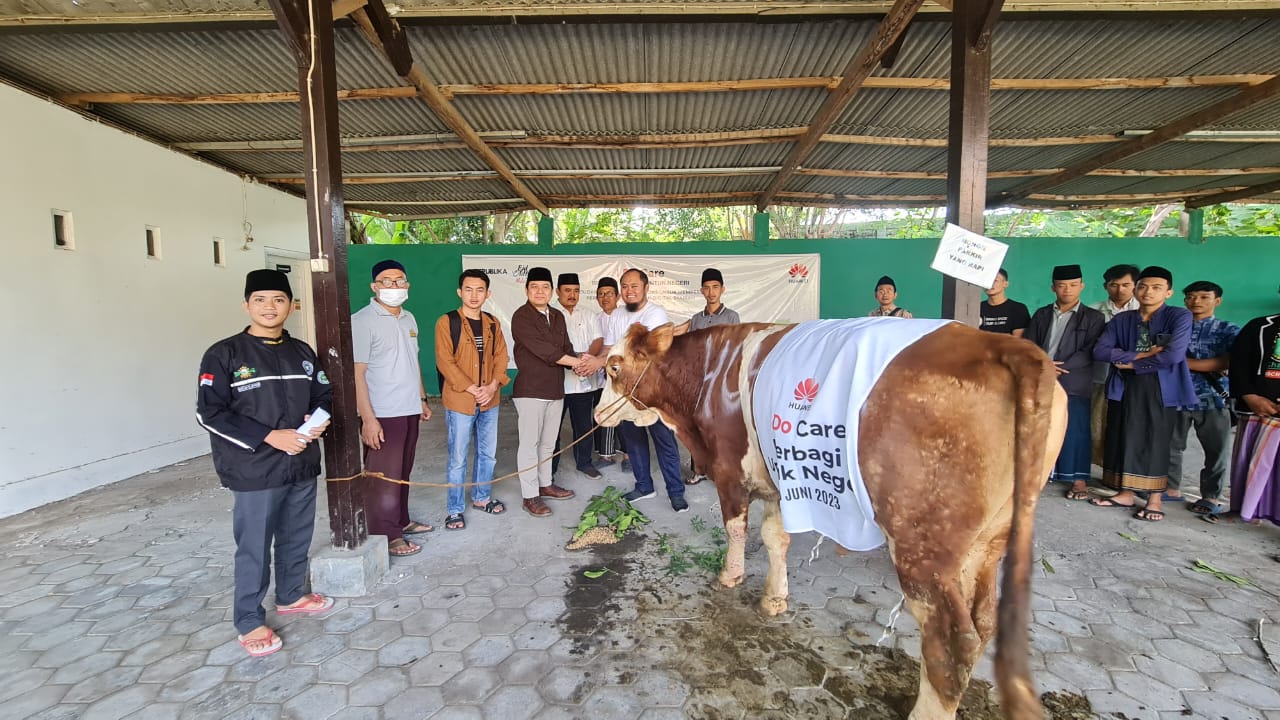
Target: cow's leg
{"type": "Point", "coordinates": [776, 541]}
{"type": "Point", "coordinates": [950, 645]}
{"type": "Point", "coordinates": [734, 503]}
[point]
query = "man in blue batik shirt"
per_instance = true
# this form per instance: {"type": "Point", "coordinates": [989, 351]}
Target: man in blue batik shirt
{"type": "Point", "coordinates": [1208, 356]}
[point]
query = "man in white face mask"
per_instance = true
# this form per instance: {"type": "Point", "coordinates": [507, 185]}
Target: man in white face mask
{"type": "Point", "coordinates": [391, 401]}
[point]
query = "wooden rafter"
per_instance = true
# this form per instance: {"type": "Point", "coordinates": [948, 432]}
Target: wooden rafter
{"type": "Point", "coordinates": [1250, 96]}
{"type": "Point", "coordinates": [1244, 193]}
{"type": "Point", "coordinates": [863, 64]}
{"type": "Point", "coordinates": [679, 173]}
{"type": "Point", "coordinates": [83, 99]}
{"type": "Point", "coordinates": [384, 33]}
{"type": "Point", "coordinates": [103, 14]}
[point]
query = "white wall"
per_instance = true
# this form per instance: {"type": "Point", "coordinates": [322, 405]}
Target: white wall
{"type": "Point", "coordinates": [99, 345]}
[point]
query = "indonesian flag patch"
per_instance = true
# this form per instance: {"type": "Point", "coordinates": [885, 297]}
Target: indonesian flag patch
{"type": "Point", "coordinates": [206, 379]}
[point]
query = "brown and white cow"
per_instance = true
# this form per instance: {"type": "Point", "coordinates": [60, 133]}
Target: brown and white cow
{"type": "Point", "coordinates": [956, 440]}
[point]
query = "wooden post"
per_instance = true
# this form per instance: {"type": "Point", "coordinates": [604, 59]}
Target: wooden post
{"type": "Point", "coordinates": [972, 22]}
{"type": "Point", "coordinates": [310, 36]}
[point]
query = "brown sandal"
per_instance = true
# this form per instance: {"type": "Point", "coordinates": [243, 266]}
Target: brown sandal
{"type": "Point", "coordinates": [402, 548]}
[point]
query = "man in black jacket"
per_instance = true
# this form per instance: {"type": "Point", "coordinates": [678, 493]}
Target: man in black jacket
{"type": "Point", "coordinates": [255, 389]}
{"type": "Point", "coordinates": [1067, 330]}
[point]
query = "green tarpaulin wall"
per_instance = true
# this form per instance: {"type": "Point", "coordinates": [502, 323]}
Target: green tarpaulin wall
{"type": "Point", "coordinates": [1247, 267]}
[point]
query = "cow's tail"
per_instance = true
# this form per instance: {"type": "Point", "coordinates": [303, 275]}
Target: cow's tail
{"type": "Point", "coordinates": [1035, 381]}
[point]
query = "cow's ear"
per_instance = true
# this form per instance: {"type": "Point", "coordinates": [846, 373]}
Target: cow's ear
{"type": "Point", "coordinates": [660, 338]}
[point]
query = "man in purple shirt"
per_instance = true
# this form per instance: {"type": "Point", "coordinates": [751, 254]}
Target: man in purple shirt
{"type": "Point", "coordinates": [1147, 383]}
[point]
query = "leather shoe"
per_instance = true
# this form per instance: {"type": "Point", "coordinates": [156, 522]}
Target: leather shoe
{"type": "Point", "coordinates": [555, 492]}
{"type": "Point", "coordinates": [590, 472]}
{"type": "Point", "coordinates": [536, 508]}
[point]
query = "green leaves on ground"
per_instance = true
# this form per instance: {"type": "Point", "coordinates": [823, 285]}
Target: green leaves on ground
{"type": "Point", "coordinates": [708, 557]}
{"type": "Point", "coordinates": [1203, 567]}
{"type": "Point", "coordinates": [1127, 536]}
{"type": "Point", "coordinates": [593, 574]}
{"type": "Point", "coordinates": [613, 509]}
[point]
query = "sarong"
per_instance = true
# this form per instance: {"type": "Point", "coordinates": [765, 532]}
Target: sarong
{"type": "Point", "coordinates": [1255, 474]}
{"type": "Point", "coordinates": [1139, 430]}
{"type": "Point", "coordinates": [1073, 461]}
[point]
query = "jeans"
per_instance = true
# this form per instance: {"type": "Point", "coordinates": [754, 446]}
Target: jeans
{"type": "Point", "coordinates": [1213, 428]}
{"type": "Point", "coordinates": [461, 429]}
{"type": "Point", "coordinates": [636, 443]}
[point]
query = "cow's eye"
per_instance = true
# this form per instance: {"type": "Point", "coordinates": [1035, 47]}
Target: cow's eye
{"type": "Point", "coordinates": [613, 371]}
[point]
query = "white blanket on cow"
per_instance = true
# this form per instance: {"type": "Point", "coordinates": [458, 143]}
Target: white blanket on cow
{"type": "Point", "coordinates": [806, 403]}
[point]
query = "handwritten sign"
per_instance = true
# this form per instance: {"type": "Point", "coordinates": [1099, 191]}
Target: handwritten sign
{"type": "Point", "coordinates": [969, 256]}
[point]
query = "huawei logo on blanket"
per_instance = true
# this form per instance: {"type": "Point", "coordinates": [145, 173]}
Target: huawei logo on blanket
{"type": "Point", "coordinates": [798, 271]}
{"type": "Point", "coordinates": [807, 390]}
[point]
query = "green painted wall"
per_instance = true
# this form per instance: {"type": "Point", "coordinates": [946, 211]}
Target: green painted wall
{"type": "Point", "coordinates": [1247, 267]}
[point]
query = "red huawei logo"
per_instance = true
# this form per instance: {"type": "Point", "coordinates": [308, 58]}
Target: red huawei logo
{"type": "Point", "coordinates": [798, 271]}
{"type": "Point", "coordinates": [807, 390]}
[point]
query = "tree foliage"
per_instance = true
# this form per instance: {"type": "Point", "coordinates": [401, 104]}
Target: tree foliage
{"type": "Point", "coordinates": [670, 225]}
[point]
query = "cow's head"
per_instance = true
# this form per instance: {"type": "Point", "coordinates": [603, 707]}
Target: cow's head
{"type": "Point", "coordinates": [631, 377]}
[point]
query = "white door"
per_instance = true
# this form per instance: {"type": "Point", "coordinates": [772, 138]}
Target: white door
{"type": "Point", "coordinates": [302, 321]}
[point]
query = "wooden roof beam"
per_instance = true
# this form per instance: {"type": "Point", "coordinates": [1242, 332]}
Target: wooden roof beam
{"type": "Point", "coordinates": [1250, 96]}
{"type": "Point", "coordinates": [1233, 195]}
{"type": "Point", "coordinates": [627, 88]}
{"type": "Point", "coordinates": [384, 33]}
{"type": "Point", "coordinates": [862, 65]}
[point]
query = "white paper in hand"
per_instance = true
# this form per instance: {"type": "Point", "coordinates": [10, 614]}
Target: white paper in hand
{"type": "Point", "coordinates": [318, 418]}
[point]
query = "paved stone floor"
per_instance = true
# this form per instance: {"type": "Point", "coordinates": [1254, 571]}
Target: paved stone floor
{"type": "Point", "coordinates": [116, 603]}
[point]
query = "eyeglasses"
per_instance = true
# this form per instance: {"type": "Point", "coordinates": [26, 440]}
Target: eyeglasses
{"type": "Point", "coordinates": [397, 282]}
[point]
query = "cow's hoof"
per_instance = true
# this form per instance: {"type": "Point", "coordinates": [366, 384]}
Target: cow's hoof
{"type": "Point", "coordinates": [772, 606]}
{"type": "Point", "coordinates": [730, 582]}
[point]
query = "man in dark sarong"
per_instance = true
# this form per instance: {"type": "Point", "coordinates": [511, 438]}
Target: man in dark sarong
{"type": "Point", "coordinates": [1148, 381]}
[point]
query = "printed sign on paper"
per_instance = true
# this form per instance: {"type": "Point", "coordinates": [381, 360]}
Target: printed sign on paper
{"type": "Point", "coordinates": [969, 256]}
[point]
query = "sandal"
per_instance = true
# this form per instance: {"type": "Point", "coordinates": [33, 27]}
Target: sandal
{"type": "Point", "coordinates": [273, 644]}
{"type": "Point", "coordinates": [1108, 502]}
{"type": "Point", "coordinates": [402, 548]}
{"type": "Point", "coordinates": [1149, 515]}
{"type": "Point", "coordinates": [1077, 494]}
{"type": "Point", "coordinates": [1204, 507]}
{"type": "Point", "coordinates": [309, 603]}
{"type": "Point", "coordinates": [493, 507]}
{"type": "Point", "coordinates": [455, 522]}
{"type": "Point", "coordinates": [416, 528]}
{"type": "Point", "coordinates": [1211, 519]}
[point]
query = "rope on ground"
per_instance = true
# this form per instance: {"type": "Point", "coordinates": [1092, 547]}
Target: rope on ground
{"type": "Point", "coordinates": [813, 554]}
{"type": "Point", "coordinates": [615, 407]}
{"type": "Point", "coordinates": [893, 620]}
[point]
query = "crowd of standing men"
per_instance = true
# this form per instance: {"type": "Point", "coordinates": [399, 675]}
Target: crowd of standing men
{"type": "Point", "coordinates": [1139, 374]}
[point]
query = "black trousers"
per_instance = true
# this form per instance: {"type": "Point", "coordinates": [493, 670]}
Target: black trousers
{"type": "Point", "coordinates": [579, 407]}
{"type": "Point", "coordinates": [284, 516]}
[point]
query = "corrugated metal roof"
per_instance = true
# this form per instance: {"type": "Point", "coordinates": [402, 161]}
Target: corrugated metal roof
{"type": "Point", "coordinates": [211, 59]}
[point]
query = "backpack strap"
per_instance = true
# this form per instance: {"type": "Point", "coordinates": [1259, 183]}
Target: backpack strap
{"type": "Point", "coordinates": [455, 332]}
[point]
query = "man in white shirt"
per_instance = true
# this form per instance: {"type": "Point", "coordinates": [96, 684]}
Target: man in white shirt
{"type": "Point", "coordinates": [581, 392]}
{"type": "Point", "coordinates": [1119, 281]}
{"type": "Point", "coordinates": [638, 310]}
{"type": "Point", "coordinates": [607, 437]}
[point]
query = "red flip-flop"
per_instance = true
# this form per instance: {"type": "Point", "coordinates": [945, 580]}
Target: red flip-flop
{"type": "Point", "coordinates": [274, 643]}
{"type": "Point", "coordinates": [309, 604]}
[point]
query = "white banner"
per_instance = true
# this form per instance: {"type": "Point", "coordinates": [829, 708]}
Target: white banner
{"type": "Point", "coordinates": [761, 288]}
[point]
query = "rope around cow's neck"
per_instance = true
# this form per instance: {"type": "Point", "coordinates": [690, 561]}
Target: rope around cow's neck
{"type": "Point", "coordinates": [613, 408]}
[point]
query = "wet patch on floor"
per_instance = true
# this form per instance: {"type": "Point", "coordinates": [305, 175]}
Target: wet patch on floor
{"type": "Point", "coordinates": [734, 661]}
